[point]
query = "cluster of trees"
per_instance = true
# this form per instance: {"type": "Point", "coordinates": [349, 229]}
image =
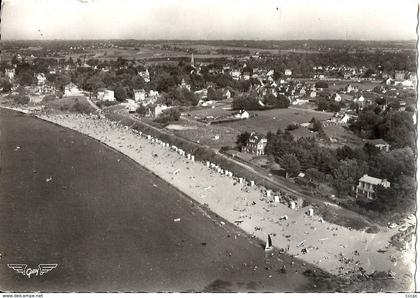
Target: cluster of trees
{"type": "Point", "coordinates": [169, 115]}
{"type": "Point", "coordinates": [342, 168]}
{"type": "Point", "coordinates": [329, 105]}
{"type": "Point", "coordinates": [253, 101]}
{"type": "Point", "coordinates": [394, 126]}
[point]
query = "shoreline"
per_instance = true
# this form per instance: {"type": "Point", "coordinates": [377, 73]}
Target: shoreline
{"type": "Point", "coordinates": [327, 246]}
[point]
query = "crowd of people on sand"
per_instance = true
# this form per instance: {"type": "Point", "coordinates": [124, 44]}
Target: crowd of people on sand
{"type": "Point", "coordinates": [292, 227]}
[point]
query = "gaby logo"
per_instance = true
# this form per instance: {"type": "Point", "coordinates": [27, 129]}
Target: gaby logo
{"type": "Point", "coordinates": [41, 270]}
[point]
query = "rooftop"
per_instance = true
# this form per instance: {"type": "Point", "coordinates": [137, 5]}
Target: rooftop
{"type": "Point", "coordinates": [374, 181]}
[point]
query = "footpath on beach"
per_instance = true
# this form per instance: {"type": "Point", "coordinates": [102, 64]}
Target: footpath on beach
{"type": "Point", "coordinates": [295, 230]}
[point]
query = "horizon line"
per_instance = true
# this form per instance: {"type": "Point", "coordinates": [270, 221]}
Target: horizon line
{"type": "Point", "coordinates": [175, 39]}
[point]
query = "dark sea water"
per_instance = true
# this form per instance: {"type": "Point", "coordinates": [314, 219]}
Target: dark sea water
{"type": "Point", "coordinates": [109, 224]}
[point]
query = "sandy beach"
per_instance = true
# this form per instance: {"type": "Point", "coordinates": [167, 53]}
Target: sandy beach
{"type": "Point", "coordinates": [333, 248]}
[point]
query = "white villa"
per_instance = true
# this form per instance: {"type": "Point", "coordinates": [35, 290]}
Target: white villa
{"type": "Point", "coordinates": [367, 184]}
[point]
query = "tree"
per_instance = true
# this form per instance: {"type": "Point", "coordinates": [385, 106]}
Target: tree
{"type": "Point", "coordinates": [346, 175]}
{"type": "Point", "coordinates": [25, 78]}
{"type": "Point", "coordinates": [21, 99]}
{"type": "Point", "coordinates": [213, 94]}
{"type": "Point", "coordinates": [141, 110]}
{"type": "Point", "coordinates": [242, 139]}
{"type": "Point", "coordinates": [246, 102]}
{"type": "Point", "coordinates": [5, 85]}
{"type": "Point", "coordinates": [184, 97]}
{"type": "Point", "coordinates": [280, 102]}
{"type": "Point", "coordinates": [291, 165]}
{"type": "Point", "coordinates": [120, 93]}
{"type": "Point", "coordinates": [169, 115]}
{"type": "Point", "coordinates": [314, 175]}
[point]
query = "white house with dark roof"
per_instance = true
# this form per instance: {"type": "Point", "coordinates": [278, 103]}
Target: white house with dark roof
{"type": "Point", "coordinates": [10, 73]}
{"type": "Point", "coordinates": [288, 72]}
{"type": "Point", "coordinates": [72, 90]}
{"type": "Point", "coordinates": [256, 144]}
{"type": "Point", "coordinates": [379, 143]}
{"type": "Point", "coordinates": [106, 95]}
{"type": "Point", "coordinates": [366, 186]}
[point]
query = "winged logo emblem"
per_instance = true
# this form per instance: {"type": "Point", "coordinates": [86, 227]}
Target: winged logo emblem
{"type": "Point", "coordinates": [26, 271]}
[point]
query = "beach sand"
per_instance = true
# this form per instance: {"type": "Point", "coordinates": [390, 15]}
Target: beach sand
{"type": "Point", "coordinates": [335, 249]}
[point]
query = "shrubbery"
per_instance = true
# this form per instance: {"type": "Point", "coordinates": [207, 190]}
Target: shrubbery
{"type": "Point", "coordinates": [48, 98]}
{"type": "Point", "coordinates": [106, 103]}
{"type": "Point", "coordinates": [22, 99]}
{"type": "Point", "coordinates": [169, 115]}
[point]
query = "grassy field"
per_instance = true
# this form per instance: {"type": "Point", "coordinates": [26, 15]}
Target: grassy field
{"type": "Point", "coordinates": [270, 120]}
{"type": "Point", "coordinates": [343, 136]}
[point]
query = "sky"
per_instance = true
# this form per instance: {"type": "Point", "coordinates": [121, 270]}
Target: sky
{"type": "Point", "coordinates": [209, 19]}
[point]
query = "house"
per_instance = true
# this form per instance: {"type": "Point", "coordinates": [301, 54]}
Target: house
{"type": "Point", "coordinates": [139, 95]}
{"type": "Point", "coordinates": [72, 90]}
{"type": "Point", "coordinates": [366, 186]}
{"type": "Point", "coordinates": [106, 95]}
{"type": "Point", "coordinates": [10, 73]}
{"type": "Point", "coordinates": [399, 75]}
{"type": "Point", "coordinates": [227, 94]}
{"type": "Point", "coordinates": [235, 74]}
{"type": "Point", "coordinates": [202, 94]}
{"type": "Point", "coordinates": [403, 106]}
{"type": "Point", "coordinates": [256, 144]}
{"type": "Point", "coordinates": [288, 72]}
{"type": "Point", "coordinates": [337, 97]}
{"type": "Point", "coordinates": [246, 76]}
{"type": "Point", "coordinates": [407, 83]}
{"type": "Point", "coordinates": [360, 99]}
{"type": "Point", "coordinates": [345, 119]}
{"type": "Point", "coordinates": [413, 78]}
{"type": "Point", "coordinates": [45, 88]}
{"type": "Point", "coordinates": [155, 110]}
{"type": "Point", "coordinates": [389, 81]}
{"type": "Point", "coordinates": [184, 85]}
{"type": "Point", "coordinates": [242, 115]}
{"type": "Point", "coordinates": [145, 75]}
{"type": "Point", "coordinates": [350, 88]}
{"type": "Point", "coordinates": [41, 79]}
{"type": "Point", "coordinates": [379, 143]}
{"type": "Point", "coordinates": [131, 105]}
{"type": "Point", "coordinates": [299, 101]}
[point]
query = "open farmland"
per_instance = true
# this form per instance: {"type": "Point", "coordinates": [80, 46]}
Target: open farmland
{"type": "Point", "coordinates": [142, 53]}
